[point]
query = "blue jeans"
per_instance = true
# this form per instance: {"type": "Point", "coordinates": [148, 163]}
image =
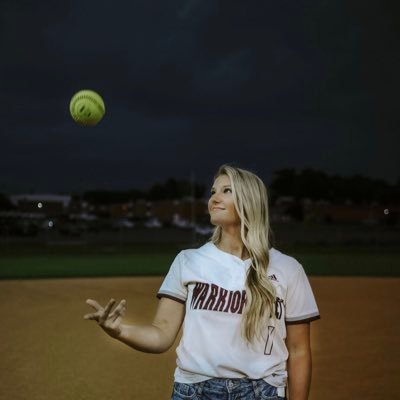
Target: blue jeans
{"type": "Point", "coordinates": [226, 389]}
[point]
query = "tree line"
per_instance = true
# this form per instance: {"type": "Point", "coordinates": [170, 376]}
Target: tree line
{"type": "Point", "coordinates": [307, 183]}
{"type": "Point", "coordinates": [317, 185]}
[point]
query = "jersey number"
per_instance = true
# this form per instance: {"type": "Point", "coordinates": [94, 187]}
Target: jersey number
{"type": "Point", "coordinates": [270, 341]}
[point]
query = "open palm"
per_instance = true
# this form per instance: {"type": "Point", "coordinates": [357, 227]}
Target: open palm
{"type": "Point", "coordinates": [109, 320]}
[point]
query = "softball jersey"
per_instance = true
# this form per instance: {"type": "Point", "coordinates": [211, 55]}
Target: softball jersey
{"type": "Point", "coordinates": [211, 283]}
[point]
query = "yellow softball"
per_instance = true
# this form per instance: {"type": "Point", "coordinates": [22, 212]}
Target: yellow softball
{"type": "Point", "coordinates": [87, 107]}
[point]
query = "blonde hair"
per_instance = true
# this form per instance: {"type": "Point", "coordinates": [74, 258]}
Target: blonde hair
{"type": "Point", "coordinates": [251, 203]}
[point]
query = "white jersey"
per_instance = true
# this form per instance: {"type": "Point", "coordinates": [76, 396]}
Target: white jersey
{"type": "Point", "coordinates": [211, 283]}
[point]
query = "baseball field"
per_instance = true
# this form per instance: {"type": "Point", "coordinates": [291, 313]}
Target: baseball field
{"type": "Point", "coordinates": [47, 350]}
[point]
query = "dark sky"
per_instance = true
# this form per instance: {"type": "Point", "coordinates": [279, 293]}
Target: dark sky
{"type": "Point", "coordinates": [189, 85]}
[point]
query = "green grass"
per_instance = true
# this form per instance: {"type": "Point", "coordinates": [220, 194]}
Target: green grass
{"type": "Point", "coordinates": [84, 265]}
{"type": "Point", "coordinates": [351, 264]}
{"type": "Point", "coordinates": [19, 262]}
{"type": "Point", "coordinates": [348, 260]}
{"type": "Point", "coordinates": [55, 262]}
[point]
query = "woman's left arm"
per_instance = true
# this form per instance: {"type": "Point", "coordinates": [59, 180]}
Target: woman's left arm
{"type": "Point", "coordinates": [299, 361]}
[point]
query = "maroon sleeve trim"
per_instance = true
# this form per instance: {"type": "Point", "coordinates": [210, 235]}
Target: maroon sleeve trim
{"type": "Point", "coordinates": [160, 295]}
{"type": "Point", "coordinates": [303, 321]}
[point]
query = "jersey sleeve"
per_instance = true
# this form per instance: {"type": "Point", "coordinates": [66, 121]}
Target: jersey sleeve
{"type": "Point", "coordinates": [173, 286]}
{"type": "Point", "coordinates": [300, 302]}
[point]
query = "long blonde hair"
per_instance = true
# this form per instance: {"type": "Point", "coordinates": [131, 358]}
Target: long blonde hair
{"type": "Point", "coordinates": [251, 203]}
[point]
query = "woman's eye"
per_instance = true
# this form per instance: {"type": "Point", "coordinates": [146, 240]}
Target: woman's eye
{"type": "Point", "coordinates": [228, 190]}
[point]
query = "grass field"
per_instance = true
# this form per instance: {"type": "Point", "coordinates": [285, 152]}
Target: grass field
{"type": "Point", "coordinates": [18, 261]}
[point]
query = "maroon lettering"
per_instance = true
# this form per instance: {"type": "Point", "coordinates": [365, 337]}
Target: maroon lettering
{"type": "Point", "coordinates": [211, 299]}
{"type": "Point", "coordinates": [214, 298]}
{"type": "Point", "coordinates": [229, 301]}
{"type": "Point", "coordinates": [235, 302]}
{"type": "Point", "coordinates": [196, 293]}
{"type": "Point", "coordinates": [221, 299]}
{"type": "Point", "coordinates": [243, 302]}
{"type": "Point", "coordinates": [202, 297]}
{"type": "Point", "coordinates": [278, 308]}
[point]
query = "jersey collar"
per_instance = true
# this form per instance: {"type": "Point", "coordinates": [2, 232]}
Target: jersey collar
{"type": "Point", "coordinates": [226, 256]}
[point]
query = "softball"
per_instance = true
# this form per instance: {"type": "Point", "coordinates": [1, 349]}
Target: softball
{"type": "Point", "coordinates": [87, 107]}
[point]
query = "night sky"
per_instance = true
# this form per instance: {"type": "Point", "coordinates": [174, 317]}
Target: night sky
{"type": "Point", "coordinates": [189, 85]}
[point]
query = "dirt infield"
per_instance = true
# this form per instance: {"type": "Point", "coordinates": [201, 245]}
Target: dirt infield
{"type": "Point", "coordinates": [47, 350]}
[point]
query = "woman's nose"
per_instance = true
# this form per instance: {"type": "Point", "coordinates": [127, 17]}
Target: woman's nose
{"type": "Point", "coordinates": [215, 198]}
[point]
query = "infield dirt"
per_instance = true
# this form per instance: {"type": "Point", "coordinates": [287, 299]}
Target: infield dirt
{"type": "Point", "coordinates": [47, 350]}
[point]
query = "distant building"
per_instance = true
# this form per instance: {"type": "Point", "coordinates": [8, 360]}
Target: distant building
{"type": "Point", "coordinates": [167, 211]}
{"type": "Point", "coordinates": [372, 214]}
{"type": "Point", "coordinates": [48, 205]}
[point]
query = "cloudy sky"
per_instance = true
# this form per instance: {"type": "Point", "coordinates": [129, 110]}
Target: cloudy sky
{"type": "Point", "coordinates": [190, 84]}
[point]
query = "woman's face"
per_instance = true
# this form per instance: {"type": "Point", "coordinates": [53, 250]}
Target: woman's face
{"type": "Point", "coordinates": [221, 205]}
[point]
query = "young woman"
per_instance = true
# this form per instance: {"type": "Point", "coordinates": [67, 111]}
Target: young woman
{"type": "Point", "coordinates": [245, 307]}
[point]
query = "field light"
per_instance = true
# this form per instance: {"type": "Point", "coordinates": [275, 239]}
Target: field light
{"type": "Point", "coordinates": [40, 205]}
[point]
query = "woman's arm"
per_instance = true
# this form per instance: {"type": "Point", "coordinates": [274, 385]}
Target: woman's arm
{"type": "Point", "coordinates": [155, 338]}
{"type": "Point", "coordinates": [299, 361]}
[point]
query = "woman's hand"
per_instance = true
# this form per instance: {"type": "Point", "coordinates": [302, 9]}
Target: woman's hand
{"type": "Point", "coordinates": [109, 321]}
{"type": "Point", "coordinates": [155, 338]}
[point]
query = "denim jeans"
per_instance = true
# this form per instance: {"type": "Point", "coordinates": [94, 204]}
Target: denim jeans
{"type": "Point", "coordinates": [226, 389]}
